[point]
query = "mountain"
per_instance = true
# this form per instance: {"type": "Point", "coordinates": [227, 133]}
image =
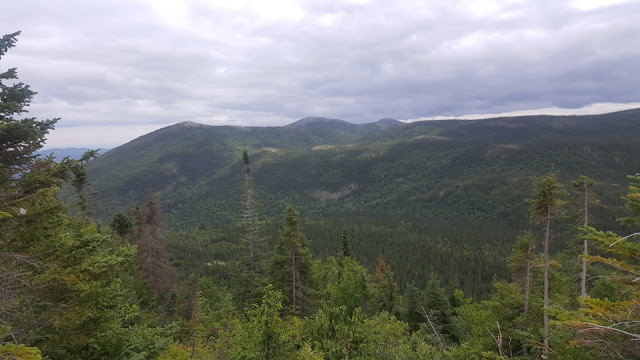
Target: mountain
{"type": "Point", "coordinates": [434, 197]}
{"type": "Point", "coordinates": [322, 123]}
{"type": "Point", "coordinates": [387, 123]}
{"type": "Point", "coordinates": [345, 126]}
{"type": "Point", "coordinates": [467, 170]}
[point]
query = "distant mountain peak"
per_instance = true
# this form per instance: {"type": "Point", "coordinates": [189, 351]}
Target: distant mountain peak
{"type": "Point", "coordinates": [191, 124]}
{"type": "Point", "coordinates": [387, 123]}
{"type": "Point", "coordinates": [390, 120]}
{"type": "Point", "coordinates": [313, 121]}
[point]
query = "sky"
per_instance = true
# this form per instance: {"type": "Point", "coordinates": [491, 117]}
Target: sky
{"type": "Point", "coordinates": [115, 70]}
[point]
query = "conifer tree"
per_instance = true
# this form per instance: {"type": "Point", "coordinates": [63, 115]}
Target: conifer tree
{"type": "Point", "coordinates": [544, 206]}
{"type": "Point", "coordinates": [520, 264]}
{"type": "Point", "coordinates": [65, 287]}
{"type": "Point", "coordinates": [385, 289]}
{"type": "Point", "coordinates": [345, 245]}
{"type": "Point", "coordinates": [632, 202]}
{"type": "Point", "coordinates": [584, 188]}
{"type": "Point", "coordinates": [19, 138]}
{"type": "Point", "coordinates": [413, 300]}
{"type": "Point", "coordinates": [611, 326]}
{"type": "Point", "coordinates": [80, 179]}
{"type": "Point", "coordinates": [153, 256]}
{"type": "Point", "coordinates": [121, 224]}
{"type": "Point", "coordinates": [27, 196]}
{"type": "Point", "coordinates": [291, 264]}
{"type": "Point", "coordinates": [252, 259]}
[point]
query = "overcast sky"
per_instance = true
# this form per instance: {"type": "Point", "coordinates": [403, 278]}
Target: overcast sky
{"type": "Point", "coordinates": [114, 70]}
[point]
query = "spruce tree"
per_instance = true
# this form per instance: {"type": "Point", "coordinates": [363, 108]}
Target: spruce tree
{"type": "Point", "coordinates": [584, 189]}
{"type": "Point", "coordinates": [384, 288]}
{"type": "Point", "coordinates": [544, 206]}
{"type": "Point", "coordinates": [520, 263]}
{"type": "Point", "coordinates": [345, 245]}
{"type": "Point", "coordinates": [291, 264]}
{"type": "Point", "coordinates": [29, 210]}
{"type": "Point", "coordinates": [251, 275]}
{"type": "Point", "coordinates": [611, 325]}
{"type": "Point", "coordinates": [153, 255]}
{"type": "Point", "coordinates": [19, 138]}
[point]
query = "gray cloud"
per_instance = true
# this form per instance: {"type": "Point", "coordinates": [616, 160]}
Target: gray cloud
{"type": "Point", "coordinates": [152, 63]}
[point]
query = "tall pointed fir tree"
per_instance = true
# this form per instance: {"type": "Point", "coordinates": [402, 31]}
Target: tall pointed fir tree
{"type": "Point", "coordinates": [544, 206]}
{"type": "Point", "coordinates": [252, 272]}
{"type": "Point", "coordinates": [29, 210]}
{"type": "Point", "coordinates": [345, 245]}
{"type": "Point", "coordinates": [384, 288]}
{"type": "Point", "coordinates": [153, 255]}
{"type": "Point", "coordinates": [521, 263]}
{"type": "Point", "coordinates": [583, 187]}
{"type": "Point", "coordinates": [632, 202]}
{"type": "Point", "coordinates": [80, 180]}
{"type": "Point", "coordinates": [65, 287]}
{"type": "Point", "coordinates": [19, 138]}
{"type": "Point", "coordinates": [291, 264]}
{"type": "Point", "coordinates": [610, 326]}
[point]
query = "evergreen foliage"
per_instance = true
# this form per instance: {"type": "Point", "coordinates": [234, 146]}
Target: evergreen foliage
{"type": "Point", "coordinates": [72, 289]}
{"type": "Point", "coordinates": [345, 245]}
{"type": "Point", "coordinates": [153, 256]}
{"type": "Point", "coordinates": [583, 186]}
{"type": "Point", "coordinates": [544, 206]}
{"type": "Point", "coordinates": [291, 265]}
{"type": "Point", "coordinates": [252, 272]}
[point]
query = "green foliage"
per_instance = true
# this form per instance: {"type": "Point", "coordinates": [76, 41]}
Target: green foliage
{"type": "Point", "coordinates": [522, 256]}
{"type": "Point", "coordinates": [384, 289]}
{"type": "Point", "coordinates": [547, 198]}
{"type": "Point", "coordinates": [19, 352]}
{"type": "Point", "coordinates": [262, 335]}
{"type": "Point", "coordinates": [19, 138]}
{"type": "Point", "coordinates": [291, 264]}
{"type": "Point", "coordinates": [452, 183]}
{"type": "Point", "coordinates": [122, 224]}
{"type": "Point", "coordinates": [67, 290]}
{"type": "Point", "coordinates": [345, 283]}
{"type": "Point", "coordinates": [632, 201]}
{"type": "Point", "coordinates": [251, 275]}
{"type": "Point", "coordinates": [345, 245]}
{"type": "Point", "coordinates": [453, 170]}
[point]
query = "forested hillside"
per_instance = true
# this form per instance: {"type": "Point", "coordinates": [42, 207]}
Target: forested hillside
{"type": "Point", "coordinates": [433, 187]}
{"type": "Point", "coordinates": [436, 170]}
{"type": "Point", "coordinates": [307, 242]}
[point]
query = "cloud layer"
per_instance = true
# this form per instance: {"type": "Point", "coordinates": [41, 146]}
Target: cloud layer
{"type": "Point", "coordinates": [145, 64]}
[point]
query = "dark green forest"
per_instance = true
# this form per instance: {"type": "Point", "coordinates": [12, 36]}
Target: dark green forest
{"type": "Point", "coordinates": [507, 238]}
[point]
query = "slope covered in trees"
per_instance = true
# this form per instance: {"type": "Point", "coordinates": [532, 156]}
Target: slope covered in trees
{"type": "Point", "coordinates": [439, 170]}
{"type": "Point", "coordinates": [72, 288]}
{"type": "Point", "coordinates": [432, 188]}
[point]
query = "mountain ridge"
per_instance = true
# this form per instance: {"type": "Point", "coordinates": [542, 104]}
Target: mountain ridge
{"type": "Point", "coordinates": [427, 168]}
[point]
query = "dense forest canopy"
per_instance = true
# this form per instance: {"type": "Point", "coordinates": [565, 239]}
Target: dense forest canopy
{"type": "Point", "coordinates": [322, 240]}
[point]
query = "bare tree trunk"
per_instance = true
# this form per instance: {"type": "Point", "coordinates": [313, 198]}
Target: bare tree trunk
{"type": "Point", "coordinates": [527, 281]}
{"type": "Point", "coordinates": [545, 349]}
{"type": "Point", "coordinates": [293, 272]}
{"type": "Point", "coordinates": [583, 279]}
{"type": "Point", "coordinates": [433, 328]}
{"type": "Point", "coordinates": [527, 289]}
{"type": "Point", "coordinates": [498, 340]}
